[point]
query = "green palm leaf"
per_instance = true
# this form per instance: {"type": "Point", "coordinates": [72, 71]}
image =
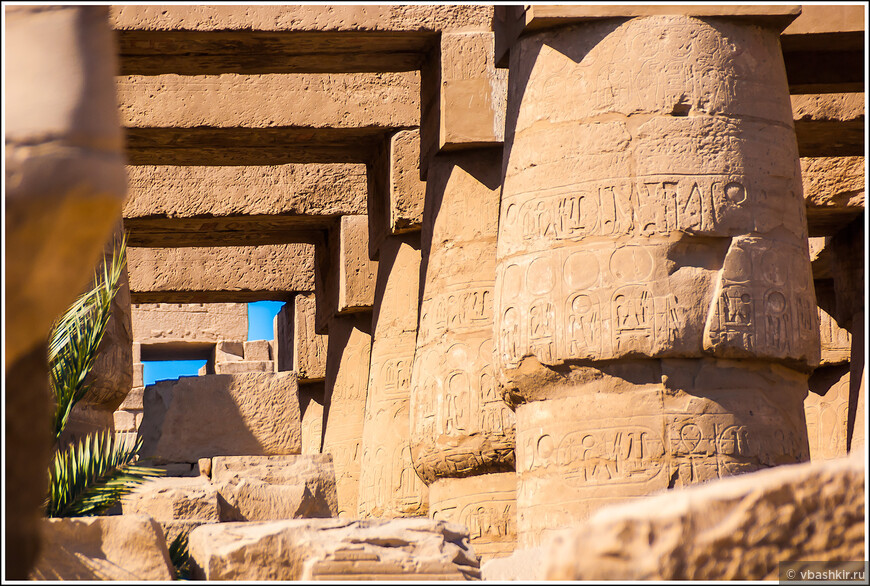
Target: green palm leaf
{"type": "Point", "coordinates": [90, 476]}
{"type": "Point", "coordinates": [77, 335]}
{"type": "Point", "coordinates": [179, 555]}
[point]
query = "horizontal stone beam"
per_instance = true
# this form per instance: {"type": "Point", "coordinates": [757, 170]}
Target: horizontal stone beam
{"type": "Point", "coordinates": [220, 274]}
{"type": "Point", "coordinates": [829, 124]}
{"type": "Point", "coordinates": [834, 192]}
{"type": "Point", "coordinates": [311, 100]}
{"type": "Point", "coordinates": [174, 205]}
{"type": "Point", "coordinates": [166, 323]}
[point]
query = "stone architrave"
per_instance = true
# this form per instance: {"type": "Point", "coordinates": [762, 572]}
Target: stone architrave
{"type": "Point", "coordinates": [734, 529]}
{"type": "Point", "coordinates": [663, 238]}
{"type": "Point", "coordinates": [333, 549]}
{"type": "Point", "coordinates": [166, 323]}
{"type": "Point", "coordinates": [309, 347]}
{"type": "Point", "coordinates": [389, 486]}
{"type": "Point", "coordinates": [221, 415]}
{"type": "Point", "coordinates": [461, 429]}
{"type": "Point", "coordinates": [240, 357]}
{"type": "Point", "coordinates": [347, 379]}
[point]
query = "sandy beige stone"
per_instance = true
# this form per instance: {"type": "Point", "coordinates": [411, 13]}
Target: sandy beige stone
{"type": "Point", "coordinates": [415, 549]}
{"type": "Point", "coordinates": [833, 182]}
{"type": "Point", "coordinates": [836, 341]}
{"type": "Point", "coordinates": [629, 232]}
{"type": "Point", "coordinates": [156, 323]}
{"type": "Point", "coordinates": [485, 504]}
{"type": "Point", "coordinates": [121, 547]}
{"type": "Point", "coordinates": [734, 529]}
{"type": "Point", "coordinates": [229, 273]}
{"type": "Point", "coordinates": [828, 124]}
{"type": "Point", "coordinates": [171, 499]}
{"type": "Point", "coordinates": [827, 408]}
{"type": "Point", "coordinates": [389, 485]}
{"type": "Point", "coordinates": [260, 350]}
{"type": "Point", "coordinates": [346, 385]}
{"type": "Point", "coordinates": [407, 191]}
{"type": "Point", "coordinates": [816, 18]}
{"type": "Point", "coordinates": [173, 191]}
{"type": "Point", "coordinates": [828, 107]}
{"type": "Point", "coordinates": [309, 100]}
{"type": "Point", "coordinates": [198, 417]}
{"type": "Point", "coordinates": [309, 347]}
{"type": "Point", "coordinates": [311, 404]}
{"type": "Point", "coordinates": [275, 487]}
{"type": "Point", "coordinates": [522, 564]}
{"type": "Point", "coordinates": [356, 273]}
{"type": "Point", "coordinates": [243, 366]}
{"type": "Point", "coordinates": [64, 177]}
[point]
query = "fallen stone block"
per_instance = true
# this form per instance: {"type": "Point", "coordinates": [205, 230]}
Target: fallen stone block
{"type": "Point", "coordinates": [739, 528]}
{"type": "Point", "coordinates": [119, 547]}
{"type": "Point", "coordinates": [275, 487]}
{"type": "Point", "coordinates": [330, 549]}
{"type": "Point", "coordinates": [172, 499]}
{"type": "Point", "coordinates": [200, 417]}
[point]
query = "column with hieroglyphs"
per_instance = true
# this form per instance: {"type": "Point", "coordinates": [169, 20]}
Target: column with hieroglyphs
{"type": "Point", "coordinates": [347, 378]}
{"type": "Point", "coordinates": [389, 485]}
{"type": "Point", "coordinates": [462, 432]}
{"type": "Point", "coordinates": [655, 318]}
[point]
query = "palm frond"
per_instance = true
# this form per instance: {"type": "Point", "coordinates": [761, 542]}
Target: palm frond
{"type": "Point", "coordinates": [179, 555]}
{"type": "Point", "coordinates": [91, 475]}
{"type": "Point", "coordinates": [76, 336]}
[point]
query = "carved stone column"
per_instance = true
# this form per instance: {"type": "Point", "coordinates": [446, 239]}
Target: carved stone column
{"type": "Point", "coordinates": [462, 433]}
{"type": "Point", "coordinates": [389, 487]}
{"type": "Point", "coordinates": [655, 317]}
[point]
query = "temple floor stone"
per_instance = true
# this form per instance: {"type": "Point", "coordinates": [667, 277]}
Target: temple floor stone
{"type": "Point", "coordinates": [121, 547]}
{"type": "Point", "coordinates": [740, 528]}
{"type": "Point", "coordinates": [328, 549]}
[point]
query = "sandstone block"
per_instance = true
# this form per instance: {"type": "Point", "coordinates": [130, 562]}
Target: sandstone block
{"type": "Point", "coordinates": [121, 547]}
{"type": "Point", "coordinates": [199, 417]}
{"type": "Point", "coordinates": [282, 329]}
{"type": "Point", "coordinates": [243, 366]}
{"type": "Point", "coordinates": [175, 191]}
{"type": "Point", "coordinates": [347, 377]}
{"type": "Point", "coordinates": [733, 529]}
{"type": "Point", "coordinates": [229, 351]}
{"type": "Point", "coordinates": [309, 347]}
{"type": "Point", "coordinates": [523, 564]}
{"type": "Point", "coordinates": [65, 182]}
{"type": "Point", "coordinates": [158, 323]}
{"type": "Point", "coordinates": [276, 487]}
{"type": "Point", "coordinates": [172, 499]}
{"type": "Point", "coordinates": [172, 529]}
{"type": "Point", "coordinates": [329, 549]}
{"type": "Point", "coordinates": [829, 124]}
{"type": "Point", "coordinates": [833, 190]}
{"type": "Point", "coordinates": [406, 190]}
{"type": "Point", "coordinates": [308, 101]}
{"type": "Point", "coordinates": [258, 350]}
{"type": "Point", "coordinates": [237, 273]}
{"type": "Point", "coordinates": [836, 341]}
{"type": "Point", "coordinates": [311, 403]}
{"type": "Point", "coordinates": [356, 273]}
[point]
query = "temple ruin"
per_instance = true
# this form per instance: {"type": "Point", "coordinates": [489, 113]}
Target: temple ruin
{"type": "Point", "coordinates": [538, 263]}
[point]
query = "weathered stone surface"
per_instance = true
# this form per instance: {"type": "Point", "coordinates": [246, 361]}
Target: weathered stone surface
{"type": "Point", "coordinates": [173, 499]}
{"type": "Point", "coordinates": [172, 191]}
{"type": "Point", "coordinates": [275, 487]}
{"type": "Point", "coordinates": [199, 417]}
{"type": "Point", "coordinates": [827, 412]}
{"type": "Point", "coordinates": [407, 191]}
{"type": "Point", "coordinates": [27, 415]}
{"type": "Point", "coordinates": [64, 166]}
{"type": "Point", "coordinates": [409, 549]}
{"type": "Point", "coordinates": [160, 323]}
{"type": "Point", "coordinates": [282, 329]}
{"type": "Point", "coordinates": [835, 107]}
{"type": "Point", "coordinates": [309, 347]}
{"type": "Point", "coordinates": [172, 529]}
{"type": "Point", "coordinates": [309, 100]}
{"type": "Point", "coordinates": [836, 341]}
{"type": "Point", "coordinates": [240, 357]}
{"type": "Point", "coordinates": [228, 273]}
{"type": "Point", "coordinates": [485, 504]}
{"type": "Point", "coordinates": [311, 404]}
{"type": "Point", "coordinates": [834, 191]}
{"type": "Point", "coordinates": [121, 547]}
{"type": "Point", "coordinates": [347, 378]}
{"type": "Point", "coordinates": [817, 18]}
{"type": "Point", "coordinates": [389, 486]}
{"type": "Point", "coordinates": [734, 529]}
{"type": "Point", "coordinates": [259, 350]}
{"type": "Point", "coordinates": [460, 426]}
{"type": "Point", "coordinates": [829, 124]}
{"type": "Point", "coordinates": [523, 564]}
{"type": "Point", "coordinates": [629, 232]}
{"type": "Point", "coordinates": [356, 273]}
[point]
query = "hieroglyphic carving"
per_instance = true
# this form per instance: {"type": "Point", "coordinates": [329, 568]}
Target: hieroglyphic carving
{"type": "Point", "coordinates": [459, 307]}
{"type": "Point", "coordinates": [827, 419]}
{"type": "Point", "coordinates": [764, 303]}
{"type": "Point", "coordinates": [836, 341]}
{"type": "Point", "coordinates": [486, 504]}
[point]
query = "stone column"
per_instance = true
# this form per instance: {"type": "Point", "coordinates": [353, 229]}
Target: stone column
{"type": "Point", "coordinates": [389, 486]}
{"type": "Point", "coordinates": [347, 377]}
{"type": "Point", "coordinates": [462, 432]}
{"type": "Point", "coordinates": [655, 317]}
